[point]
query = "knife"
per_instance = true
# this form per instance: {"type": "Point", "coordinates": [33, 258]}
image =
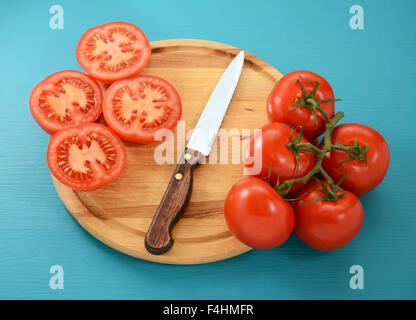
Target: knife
{"type": "Point", "coordinates": [158, 238]}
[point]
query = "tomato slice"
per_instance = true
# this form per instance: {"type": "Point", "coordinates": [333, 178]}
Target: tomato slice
{"type": "Point", "coordinates": [65, 99]}
{"type": "Point", "coordinates": [113, 51]}
{"type": "Point", "coordinates": [86, 157]}
{"type": "Point", "coordinates": [135, 108]}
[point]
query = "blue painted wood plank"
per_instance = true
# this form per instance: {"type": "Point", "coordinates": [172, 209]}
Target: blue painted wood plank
{"type": "Point", "coordinates": [372, 70]}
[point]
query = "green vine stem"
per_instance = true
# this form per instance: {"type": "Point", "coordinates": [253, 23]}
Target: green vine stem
{"type": "Point", "coordinates": [286, 186]}
{"type": "Point", "coordinates": [354, 151]}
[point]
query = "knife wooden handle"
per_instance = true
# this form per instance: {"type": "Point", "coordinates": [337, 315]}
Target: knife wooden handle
{"type": "Point", "coordinates": [158, 238]}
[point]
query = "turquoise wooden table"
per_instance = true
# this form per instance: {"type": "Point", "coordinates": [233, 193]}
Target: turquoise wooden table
{"type": "Point", "coordinates": [372, 69]}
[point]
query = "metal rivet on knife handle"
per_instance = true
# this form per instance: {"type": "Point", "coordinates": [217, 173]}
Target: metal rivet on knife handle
{"type": "Point", "coordinates": [158, 238]}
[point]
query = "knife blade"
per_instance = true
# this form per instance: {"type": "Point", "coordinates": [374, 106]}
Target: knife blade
{"type": "Point", "coordinates": [158, 238]}
{"type": "Point", "coordinates": [211, 118]}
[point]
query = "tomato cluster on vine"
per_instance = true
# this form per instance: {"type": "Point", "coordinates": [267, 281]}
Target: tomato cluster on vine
{"type": "Point", "coordinates": [307, 187]}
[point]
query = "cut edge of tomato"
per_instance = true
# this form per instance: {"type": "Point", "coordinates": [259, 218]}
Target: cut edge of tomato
{"type": "Point", "coordinates": [112, 77]}
{"type": "Point", "coordinates": [51, 128]}
{"type": "Point", "coordinates": [80, 130]}
{"type": "Point", "coordinates": [141, 138]}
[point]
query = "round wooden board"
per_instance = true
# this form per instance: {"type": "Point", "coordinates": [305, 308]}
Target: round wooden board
{"type": "Point", "coordinates": [120, 213]}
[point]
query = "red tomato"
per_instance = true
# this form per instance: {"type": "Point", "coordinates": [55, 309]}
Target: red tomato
{"type": "Point", "coordinates": [86, 157]}
{"type": "Point", "coordinates": [113, 51]}
{"type": "Point", "coordinates": [65, 99]}
{"type": "Point", "coordinates": [270, 147]}
{"type": "Point", "coordinates": [283, 96]}
{"type": "Point", "coordinates": [137, 107]}
{"type": "Point", "coordinates": [257, 215]}
{"type": "Point", "coordinates": [327, 225]}
{"type": "Point", "coordinates": [364, 176]}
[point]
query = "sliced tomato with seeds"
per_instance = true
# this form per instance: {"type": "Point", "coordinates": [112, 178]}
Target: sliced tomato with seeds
{"type": "Point", "coordinates": [65, 99]}
{"type": "Point", "coordinates": [113, 51]}
{"type": "Point", "coordinates": [86, 157]}
{"type": "Point", "coordinates": [135, 108]}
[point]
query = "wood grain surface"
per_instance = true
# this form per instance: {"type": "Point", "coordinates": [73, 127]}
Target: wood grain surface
{"type": "Point", "coordinates": [372, 70]}
{"type": "Point", "coordinates": [119, 214]}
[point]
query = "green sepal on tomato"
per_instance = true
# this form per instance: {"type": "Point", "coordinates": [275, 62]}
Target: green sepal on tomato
{"type": "Point", "coordinates": [268, 148]}
{"type": "Point", "coordinates": [363, 175]}
{"type": "Point", "coordinates": [288, 92]}
{"type": "Point", "coordinates": [257, 215]}
{"type": "Point", "coordinates": [326, 225]}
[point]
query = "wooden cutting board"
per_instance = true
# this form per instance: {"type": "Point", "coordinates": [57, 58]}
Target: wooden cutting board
{"type": "Point", "coordinates": [120, 213]}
